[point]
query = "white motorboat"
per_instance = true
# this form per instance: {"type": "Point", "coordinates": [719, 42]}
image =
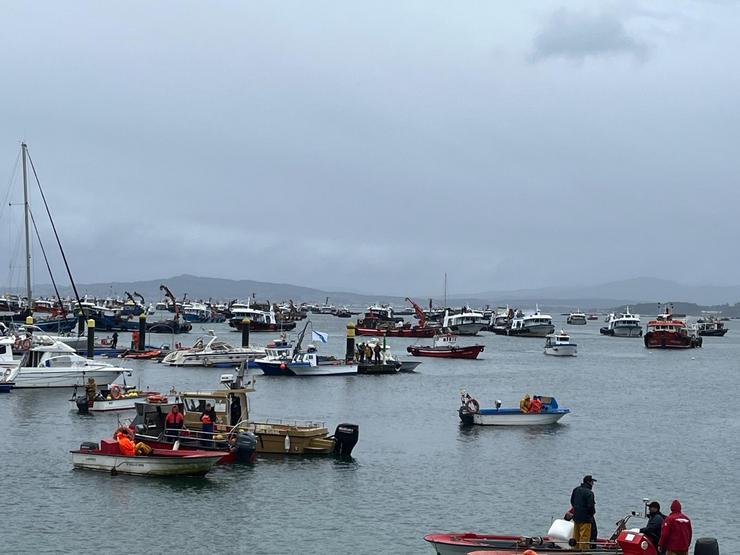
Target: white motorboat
{"type": "Point", "coordinates": [576, 318]}
{"type": "Point", "coordinates": [8, 365]}
{"type": "Point", "coordinates": [548, 412]}
{"type": "Point", "coordinates": [54, 364]}
{"type": "Point", "coordinates": [531, 325]}
{"type": "Point", "coordinates": [466, 322]}
{"type": "Point", "coordinates": [307, 363]}
{"type": "Point", "coordinates": [212, 352]}
{"type": "Point", "coordinates": [559, 344]}
{"type": "Point", "coordinates": [107, 457]}
{"type": "Point", "coordinates": [625, 324]}
{"type": "Point", "coordinates": [111, 398]}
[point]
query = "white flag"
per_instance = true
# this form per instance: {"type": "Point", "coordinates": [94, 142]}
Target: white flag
{"type": "Point", "coordinates": [319, 336]}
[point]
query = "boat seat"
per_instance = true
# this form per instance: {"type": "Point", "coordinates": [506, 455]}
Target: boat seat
{"type": "Point", "coordinates": [109, 447]}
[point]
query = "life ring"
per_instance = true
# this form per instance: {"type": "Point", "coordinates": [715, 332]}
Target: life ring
{"type": "Point", "coordinates": [472, 406]}
{"type": "Point", "coordinates": [26, 344]}
{"type": "Point", "coordinates": [115, 391]}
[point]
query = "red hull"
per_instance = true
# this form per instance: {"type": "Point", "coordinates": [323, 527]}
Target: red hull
{"type": "Point", "coordinates": [468, 542]}
{"type": "Point", "coordinates": [446, 352]}
{"type": "Point", "coordinates": [402, 332]}
{"type": "Point", "coordinates": [228, 458]}
{"type": "Point", "coordinates": [668, 340]}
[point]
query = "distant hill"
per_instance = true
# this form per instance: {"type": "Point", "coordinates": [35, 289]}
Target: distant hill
{"type": "Point", "coordinates": [220, 289]}
{"type": "Point", "coordinates": [649, 291]}
{"type": "Point", "coordinates": [642, 289]}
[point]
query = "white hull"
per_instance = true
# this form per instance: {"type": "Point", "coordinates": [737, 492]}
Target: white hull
{"type": "Point", "coordinates": [209, 359]}
{"type": "Point", "coordinates": [534, 331]}
{"type": "Point", "coordinates": [124, 403]}
{"type": "Point", "coordinates": [144, 466]}
{"type": "Point", "coordinates": [521, 419]}
{"type": "Point", "coordinates": [466, 329]}
{"type": "Point", "coordinates": [562, 350]}
{"type": "Point", "coordinates": [627, 331]}
{"type": "Point", "coordinates": [323, 370]}
{"type": "Point", "coordinates": [65, 377]}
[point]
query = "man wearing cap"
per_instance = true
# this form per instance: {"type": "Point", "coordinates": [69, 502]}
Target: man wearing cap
{"type": "Point", "coordinates": [675, 536]}
{"type": "Point", "coordinates": [584, 508]}
{"type": "Point", "coordinates": [654, 523]}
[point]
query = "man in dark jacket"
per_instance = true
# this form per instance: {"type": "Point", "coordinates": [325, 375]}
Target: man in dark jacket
{"type": "Point", "coordinates": [584, 508]}
{"type": "Point", "coordinates": [654, 523]}
{"type": "Point", "coordinates": [675, 536]}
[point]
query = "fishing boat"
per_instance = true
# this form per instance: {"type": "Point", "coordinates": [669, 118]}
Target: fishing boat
{"type": "Point", "coordinates": [670, 334]}
{"type": "Point", "coordinates": [108, 398]}
{"type": "Point", "coordinates": [548, 412]}
{"type": "Point", "coordinates": [576, 318]}
{"type": "Point", "coordinates": [466, 322]}
{"type": "Point", "coordinates": [623, 324]}
{"type": "Point", "coordinates": [107, 457]}
{"type": "Point", "coordinates": [210, 351]}
{"type": "Point", "coordinates": [445, 346]}
{"type": "Point", "coordinates": [233, 428]}
{"type": "Point", "coordinates": [560, 345]}
{"type": "Point", "coordinates": [558, 539]}
{"type": "Point", "coordinates": [54, 364]}
{"type": "Point", "coordinates": [259, 320]}
{"type": "Point", "coordinates": [388, 363]}
{"type": "Point", "coordinates": [381, 321]}
{"type": "Point", "coordinates": [500, 320]}
{"type": "Point", "coordinates": [531, 325]}
{"type": "Point", "coordinates": [406, 330]}
{"type": "Point", "coordinates": [710, 324]}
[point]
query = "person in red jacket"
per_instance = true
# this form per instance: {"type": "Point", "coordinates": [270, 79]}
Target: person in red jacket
{"type": "Point", "coordinates": [675, 536]}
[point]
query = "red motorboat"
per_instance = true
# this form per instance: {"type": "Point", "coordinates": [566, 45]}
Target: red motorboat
{"type": "Point", "coordinates": [384, 324]}
{"type": "Point", "coordinates": [445, 346]}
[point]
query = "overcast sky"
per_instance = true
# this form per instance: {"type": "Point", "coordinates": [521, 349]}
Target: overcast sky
{"type": "Point", "coordinates": [373, 146]}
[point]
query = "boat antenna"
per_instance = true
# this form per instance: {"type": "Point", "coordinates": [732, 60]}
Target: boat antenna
{"type": "Point", "coordinates": [46, 260]}
{"type": "Point", "coordinates": [54, 227]}
{"type": "Point", "coordinates": [445, 290]}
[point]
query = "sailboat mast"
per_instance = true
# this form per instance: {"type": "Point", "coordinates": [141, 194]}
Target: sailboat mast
{"type": "Point", "coordinates": [445, 305]}
{"type": "Point", "coordinates": [28, 233]}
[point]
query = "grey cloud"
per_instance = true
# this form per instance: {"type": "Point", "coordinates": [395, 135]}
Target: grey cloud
{"type": "Point", "coordinates": [580, 35]}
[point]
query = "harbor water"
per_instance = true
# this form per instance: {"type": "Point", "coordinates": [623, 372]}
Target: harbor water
{"type": "Point", "coordinates": [644, 423]}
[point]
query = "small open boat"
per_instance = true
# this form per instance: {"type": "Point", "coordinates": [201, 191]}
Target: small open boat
{"type": "Point", "coordinates": [549, 412]}
{"type": "Point", "coordinates": [107, 457]}
{"type": "Point", "coordinates": [560, 345]}
{"type": "Point", "coordinates": [445, 346]}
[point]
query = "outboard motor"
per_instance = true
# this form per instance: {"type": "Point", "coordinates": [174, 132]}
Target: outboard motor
{"type": "Point", "coordinates": [706, 546]}
{"type": "Point", "coordinates": [466, 417]}
{"type": "Point", "coordinates": [346, 437]}
{"type": "Point", "coordinates": [246, 447]}
{"type": "Point", "coordinates": [89, 446]}
{"type": "Point", "coordinates": [634, 543]}
{"type": "Point", "coordinates": [81, 402]}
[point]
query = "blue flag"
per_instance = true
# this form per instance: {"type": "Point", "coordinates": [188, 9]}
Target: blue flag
{"type": "Point", "coordinates": [319, 336]}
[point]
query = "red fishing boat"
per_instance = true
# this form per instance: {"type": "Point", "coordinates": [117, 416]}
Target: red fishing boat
{"type": "Point", "coordinates": [445, 346]}
{"type": "Point", "coordinates": [379, 323]}
{"type": "Point", "coordinates": [670, 332]}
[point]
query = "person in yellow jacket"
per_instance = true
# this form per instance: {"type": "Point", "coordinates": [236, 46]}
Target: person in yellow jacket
{"type": "Point", "coordinates": [525, 403]}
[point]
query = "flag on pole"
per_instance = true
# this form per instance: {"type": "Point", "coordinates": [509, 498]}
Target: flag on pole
{"type": "Point", "coordinates": [319, 336]}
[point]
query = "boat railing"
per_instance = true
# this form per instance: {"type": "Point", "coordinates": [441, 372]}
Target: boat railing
{"type": "Point", "coordinates": [284, 422]}
{"type": "Point", "coordinates": [210, 440]}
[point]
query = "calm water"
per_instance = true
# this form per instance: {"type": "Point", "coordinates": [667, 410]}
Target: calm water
{"type": "Point", "coordinates": [644, 423]}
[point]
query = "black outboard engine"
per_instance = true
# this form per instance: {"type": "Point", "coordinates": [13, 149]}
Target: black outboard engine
{"type": "Point", "coordinates": [466, 417]}
{"type": "Point", "coordinates": [706, 546]}
{"type": "Point", "coordinates": [346, 437]}
{"type": "Point", "coordinates": [246, 447]}
{"type": "Point", "coordinates": [89, 446]}
{"type": "Point", "coordinates": [81, 402]}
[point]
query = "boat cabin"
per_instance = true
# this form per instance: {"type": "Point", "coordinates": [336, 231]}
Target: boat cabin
{"type": "Point", "coordinates": [555, 339]}
{"type": "Point", "coordinates": [231, 407]}
{"type": "Point", "coordinates": [668, 326]}
{"type": "Point", "coordinates": [445, 340]}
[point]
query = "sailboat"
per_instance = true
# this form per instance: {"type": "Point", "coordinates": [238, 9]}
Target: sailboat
{"type": "Point", "coordinates": [63, 324]}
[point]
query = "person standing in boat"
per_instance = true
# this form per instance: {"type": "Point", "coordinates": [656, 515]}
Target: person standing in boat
{"type": "Point", "coordinates": [368, 353]}
{"type": "Point", "coordinates": [525, 403]}
{"type": "Point", "coordinates": [654, 524]}
{"type": "Point", "coordinates": [377, 350]}
{"type": "Point", "coordinates": [361, 352]}
{"type": "Point", "coordinates": [584, 508]}
{"type": "Point", "coordinates": [173, 422]}
{"type": "Point", "coordinates": [675, 536]}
